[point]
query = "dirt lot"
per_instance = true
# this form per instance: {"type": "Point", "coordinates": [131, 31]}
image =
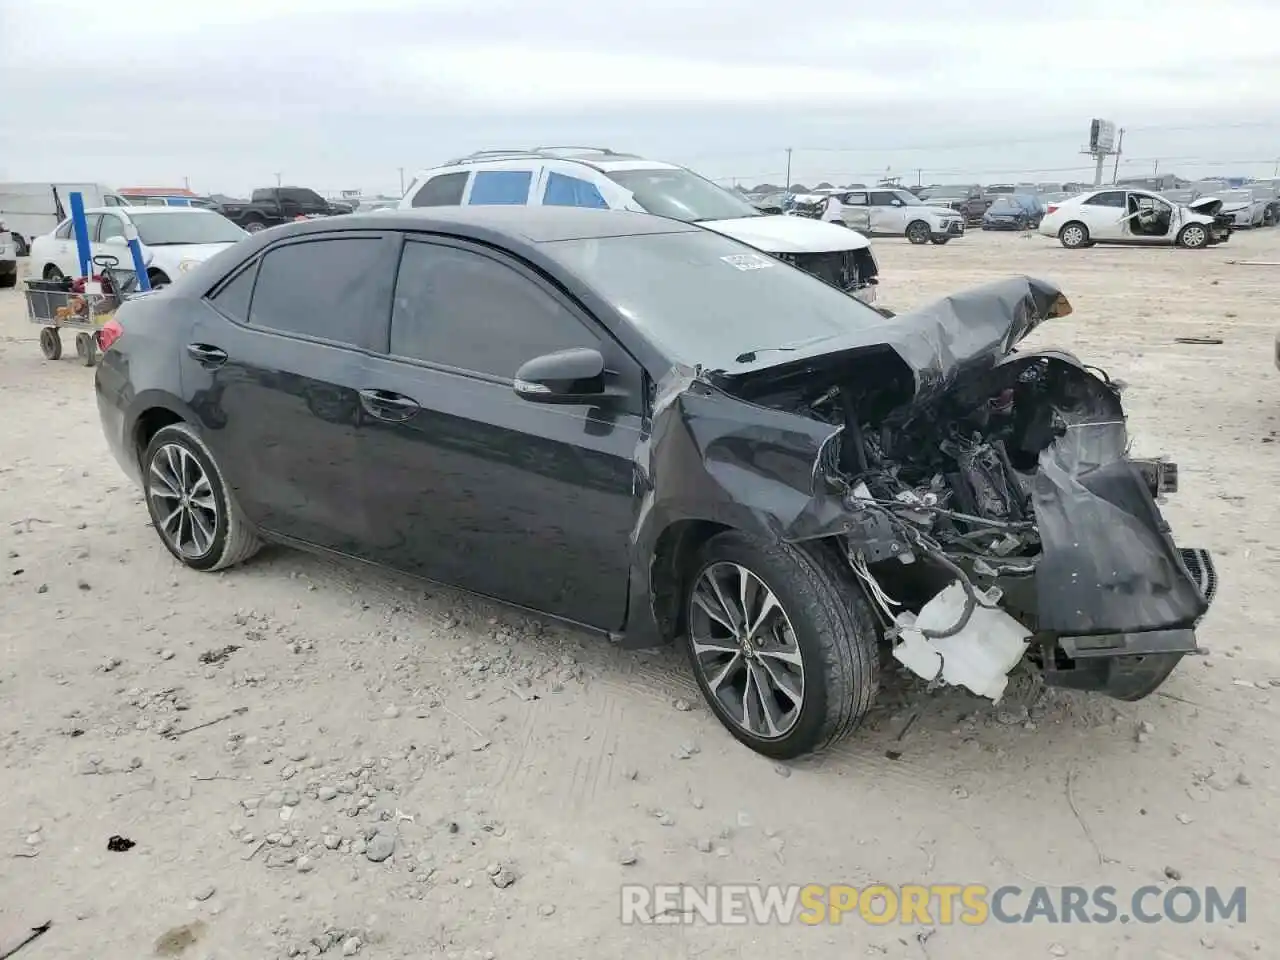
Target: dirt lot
{"type": "Point", "coordinates": [486, 743]}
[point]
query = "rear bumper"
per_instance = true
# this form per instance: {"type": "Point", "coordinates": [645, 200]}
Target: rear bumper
{"type": "Point", "coordinates": [108, 388]}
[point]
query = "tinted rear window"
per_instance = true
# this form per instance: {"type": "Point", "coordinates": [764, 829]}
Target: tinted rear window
{"type": "Point", "coordinates": [444, 190]}
{"type": "Point", "coordinates": [334, 289]}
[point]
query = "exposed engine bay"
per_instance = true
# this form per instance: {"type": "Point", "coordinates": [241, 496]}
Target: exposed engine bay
{"type": "Point", "coordinates": [996, 515]}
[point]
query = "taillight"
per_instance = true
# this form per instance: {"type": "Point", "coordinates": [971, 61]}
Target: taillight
{"type": "Point", "coordinates": [1051, 208]}
{"type": "Point", "coordinates": [111, 332]}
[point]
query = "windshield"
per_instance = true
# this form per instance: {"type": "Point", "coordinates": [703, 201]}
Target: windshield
{"type": "Point", "coordinates": [682, 195]}
{"type": "Point", "coordinates": [184, 226]}
{"type": "Point", "coordinates": [1004, 205]}
{"type": "Point", "coordinates": [1235, 196]}
{"type": "Point", "coordinates": [716, 298]}
{"type": "Point", "coordinates": [908, 198]}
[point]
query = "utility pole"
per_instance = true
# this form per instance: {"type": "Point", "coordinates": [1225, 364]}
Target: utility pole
{"type": "Point", "coordinates": [277, 179]}
{"type": "Point", "coordinates": [1155, 167]}
{"type": "Point", "coordinates": [919, 172]}
{"type": "Point", "coordinates": [401, 169]}
{"type": "Point", "coordinates": [1115, 170]}
{"type": "Point", "coordinates": [788, 183]}
{"type": "Point", "coordinates": [186, 183]}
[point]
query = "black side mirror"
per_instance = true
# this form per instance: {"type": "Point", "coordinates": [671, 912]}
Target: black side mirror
{"type": "Point", "coordinates": [567, 376]}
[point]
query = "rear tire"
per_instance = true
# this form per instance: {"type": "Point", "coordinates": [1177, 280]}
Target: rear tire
{"type": "Point", "coordinates": [52, 273]}
{"type": "Point", "coordinates": [51, 343]}
{"type": "Point", "coordinates": [8, 280]}
{"type": "Point", "coordinates": [1074, 235]}
{"type": "Point", "coordinates": [918, 232]}
{"type": "Point", "coordinates": [821, 624]}
{"type": "Point", "coordinates": [191, 507]}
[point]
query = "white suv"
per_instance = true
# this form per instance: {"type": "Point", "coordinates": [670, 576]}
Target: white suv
{"type": "Point", "coordinates": [891, 212]}
{"type": "Point", "coordinates": [599, 177]}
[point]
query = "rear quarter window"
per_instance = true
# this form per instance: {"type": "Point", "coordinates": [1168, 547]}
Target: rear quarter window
{"type": "Point", "coordinates": [442, 190]}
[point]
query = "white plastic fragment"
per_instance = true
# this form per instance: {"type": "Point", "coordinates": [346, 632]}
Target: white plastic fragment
{"type": "Point", "coordinates": [978, 657]}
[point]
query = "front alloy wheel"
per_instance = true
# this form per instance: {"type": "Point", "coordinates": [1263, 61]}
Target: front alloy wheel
{"type": "Point", "coordinates": [745, 650]}
{"type": "Point", "coordinates": [782, 642]}
{"type": "Point", "coordinates": [918, 232]}
{"type": "Point", "coordinates": [1194, 236]}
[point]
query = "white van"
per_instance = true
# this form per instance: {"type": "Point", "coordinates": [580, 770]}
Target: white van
{"type": "Point", "coordinates": [31, 209]}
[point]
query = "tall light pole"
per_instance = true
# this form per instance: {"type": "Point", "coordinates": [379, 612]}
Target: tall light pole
{"type": "Point", "coordinates": [401, 169]}
{"type": "Point", "coordinates": [277, 179]}
{"type": "Point", "coordinates": [787, 185]}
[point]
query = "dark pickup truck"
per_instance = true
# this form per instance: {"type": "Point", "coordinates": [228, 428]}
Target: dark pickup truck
{"type": "Point", "coordinates": [969, 200]}
{"type": "Point", "coordinates": [272, 206]}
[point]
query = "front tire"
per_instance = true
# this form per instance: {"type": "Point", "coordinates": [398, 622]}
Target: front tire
{"type": "Point", "coordinates": [782, 643]}
{"type": "Point", "coordinates": [158, 279]}
{"type": "Point", "coordinates": [52, 273]}
{"type": "Point", "coordinates": [1074, 235]}
{"type": "Point", "coordinates": [1194, 236]}
{"type": "Point", "coordinates": [191, 507]}
{"type": "Point", "coordinates": [918, 232]}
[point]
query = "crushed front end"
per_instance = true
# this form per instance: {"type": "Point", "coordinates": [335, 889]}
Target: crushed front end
{"type": "Point", "coordinates": [994, 515]}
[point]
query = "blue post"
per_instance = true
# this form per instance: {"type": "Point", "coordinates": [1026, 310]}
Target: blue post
{"type": "Point", "coordinates": [81, 227]}
{"type": "Point", "coordinates": [135, 248]}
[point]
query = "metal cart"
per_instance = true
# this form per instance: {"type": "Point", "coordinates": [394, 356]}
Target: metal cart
{"type": "Point", "coordinates": [58, 304]}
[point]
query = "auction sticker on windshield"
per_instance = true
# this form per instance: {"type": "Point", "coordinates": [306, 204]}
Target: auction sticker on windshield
{"type": "Point", "coordinates": [748, 261]}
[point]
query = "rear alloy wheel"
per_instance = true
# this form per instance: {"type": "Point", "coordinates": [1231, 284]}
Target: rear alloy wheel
{"type": "Point", "coordinates": [918, 232]}
{"type": "Point", "coordinates": [190, 505]}
{"type": "Point", "coordinates": [1194, 236]}
{"type": "Point", "coordinates": [1074, 235]}
{"type": "Point", "coordinates": [782, 644]}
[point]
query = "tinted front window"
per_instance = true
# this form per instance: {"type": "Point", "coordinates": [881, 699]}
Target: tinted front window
{"type": "Point", "coordinates": [335, 289]}
{"type": "Point", "coordinates": [705, 298]}
{"type": "Point", "coordinates": [500, 187]}
{"type": "Point", "coordinates": [682, 195]}
{"type": "Point", "coordinates": [468, 311]}
{"type": "Point", "coordinates": [1110, 198]}
{"type": "Point", "coordinates": [184, 226]}
{"type": "Point", "coordinates": [442, 191]}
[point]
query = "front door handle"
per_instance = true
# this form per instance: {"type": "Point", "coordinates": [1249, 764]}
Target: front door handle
{"type": "Point", "coordinates": [386, 405]}
{"type": "Point", "coordinates": [206, 355]}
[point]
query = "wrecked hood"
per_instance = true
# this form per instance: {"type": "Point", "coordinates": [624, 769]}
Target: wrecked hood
{"type": "Point", "coordinates": [1206, 206]}
{"type": "Point", "coordinates": [783, 234]}
{"type": "Point", "coordinates": [933, 345]}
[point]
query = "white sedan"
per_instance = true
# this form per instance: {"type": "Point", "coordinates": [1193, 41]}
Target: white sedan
{"type": "Point", "coordinates": [1119, 215]}
{"type": "Point", "coordinates": [174, 239]}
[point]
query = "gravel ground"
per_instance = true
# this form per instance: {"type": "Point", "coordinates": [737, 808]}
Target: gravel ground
{"type": "Point", "coordinates": [389, 769]}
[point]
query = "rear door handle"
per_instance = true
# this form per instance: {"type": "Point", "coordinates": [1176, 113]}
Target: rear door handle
{"type": "Point", "coordinates": [386, 405]}
{"type": "Point", "coordinates": [206, 355]}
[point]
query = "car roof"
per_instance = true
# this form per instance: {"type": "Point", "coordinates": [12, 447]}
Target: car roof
{"type": "Point", "coordinates": [529, 224]}
{"type": "Point", "coordinates": [595, 160]}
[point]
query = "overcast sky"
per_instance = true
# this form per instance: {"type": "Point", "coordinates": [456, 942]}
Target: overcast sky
{"type": "Point", "coordinates": [335, 95]}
